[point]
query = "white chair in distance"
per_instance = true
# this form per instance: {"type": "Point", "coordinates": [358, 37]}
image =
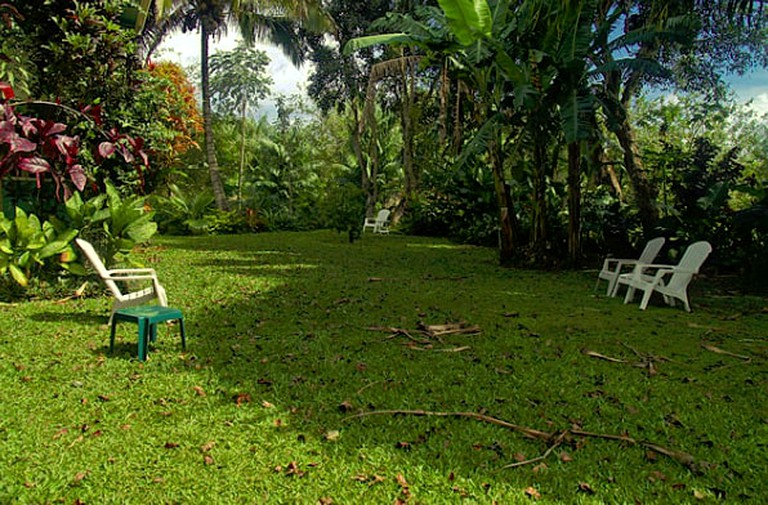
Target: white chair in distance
{"type": "Point", "coordinates": [112, 277]}
{"type": "Point", "coordinates": [379, 224]}
{"type": "Point", "coordinates": [613, 267]}
{"type": "Point", "coordinates": [669, 280]}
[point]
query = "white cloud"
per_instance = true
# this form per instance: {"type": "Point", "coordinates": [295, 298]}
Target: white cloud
{"type": "Point", "coordinates": [759, 104]}
{"type": "Point", "coordinates": [184, 49]}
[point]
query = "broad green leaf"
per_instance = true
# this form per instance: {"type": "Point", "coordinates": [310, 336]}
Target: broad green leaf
{"type": "Point", "coordinates": [142, 233]}
{"type": "Point", "coordinates": [469, 20]}
{"type": "Point", "coordinates": [386, 38]}
{"type": "Point", "coordinates": [18, 275]}
{"type": "Point", "coordinates": [75, 268]}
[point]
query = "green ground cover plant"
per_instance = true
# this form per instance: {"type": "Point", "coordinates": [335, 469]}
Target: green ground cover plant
{"type": "Point", "coordinates": [292, 335]}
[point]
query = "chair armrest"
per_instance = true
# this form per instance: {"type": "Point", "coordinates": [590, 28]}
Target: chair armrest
{"type": "Point", "coordinates": [129, 271]}
{"type": "Point", "coordinates": [130, 278]}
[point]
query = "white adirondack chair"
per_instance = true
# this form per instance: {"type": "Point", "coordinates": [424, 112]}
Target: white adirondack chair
{"type": "Point", "coordinates": [669, 280]}
{"type": "Point", "coordinates": [612, 267]}
{"type": "Point", "coordinates": [112, 277]}
{"type": "Point", "coordinates": [379, 224]}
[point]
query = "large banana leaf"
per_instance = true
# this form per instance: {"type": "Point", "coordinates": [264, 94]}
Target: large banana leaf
{"type": "Point", "coordinates": [386, 38]}
{"type": "Point", "coordinates": [469, 20]}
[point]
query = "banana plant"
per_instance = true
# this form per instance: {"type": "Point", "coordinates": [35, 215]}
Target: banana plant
{"type": "Point", "coordinates": [27, 244]}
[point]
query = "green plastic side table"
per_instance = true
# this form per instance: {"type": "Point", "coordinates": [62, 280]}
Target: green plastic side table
{"type": "Point", "coordinates": [147, 317]}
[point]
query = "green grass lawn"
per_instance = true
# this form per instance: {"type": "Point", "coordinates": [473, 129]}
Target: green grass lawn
{"type": "Point", "coordinates": [287, 340]}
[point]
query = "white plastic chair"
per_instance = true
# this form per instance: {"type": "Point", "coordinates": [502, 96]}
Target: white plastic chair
{"type": "Point", "coordinates": [379, 224]}
{"type": "Point", "coordinates": [612, 267]}
{"type": "Point", "coordinates": [671, 281]}
{"type": "Point", "coordinates": [112, 277]}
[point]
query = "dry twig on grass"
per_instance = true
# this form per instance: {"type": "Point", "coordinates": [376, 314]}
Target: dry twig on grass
{"type": "Point", "coordinates": [430, 332]}
{"type": "Point", "coordinates": [717, 350]}
{"type": "Point", "coordinates": [555, 438]}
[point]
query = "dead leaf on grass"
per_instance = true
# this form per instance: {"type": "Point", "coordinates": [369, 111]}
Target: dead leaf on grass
{"type": "Point", "coordinates": [207, 446]}
{"type": "Point", "coordinates": [199, 391]}
{"type": "Point", "coordinates": [332, 435]}
{"type": "Point", "coordinates": [171, 445]}
{"type": "Point", "coordinates": [586, 488]}
{"type": "Point", "coordinates": [345, 406]}
{"type": "Point", "coordinates": [532, 492]}
{"type": "Point", "coordinates": [208, 460]}
{"type": "Point", "coordinates": [325, 500]}
{"type": "Point", "coordinates": [565, 457]}
{"type": "Point", "coordinates": [241, 398]}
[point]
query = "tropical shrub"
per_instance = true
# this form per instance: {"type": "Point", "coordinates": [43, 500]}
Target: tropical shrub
{"type": "Point", "coordinates": [114, 225]}
{"type": "Point", "coordinates": [27, 245]}
{"type": "Point", "coordinates": [38, 147]}
{"type": "Point", "coordinates": [183, 212]}
{"type": "Point", "coordinates": [344, 209]}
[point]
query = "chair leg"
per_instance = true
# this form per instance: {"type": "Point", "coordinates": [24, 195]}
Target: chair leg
{"type": "Point", "coordinates": [143, 334]}
{"type": "Point", "coordinates": [153, 332]}
{"type": "Point", "coordinates": [611, 290]}
{"type": "Point", "coordinates": [646, 297]}
{"type": "Point", "coordinates": [113, 323]}
{"type": "Point", "coordinates": [630, 294]}
{"type": "Point", "coordinates": [183, 335]}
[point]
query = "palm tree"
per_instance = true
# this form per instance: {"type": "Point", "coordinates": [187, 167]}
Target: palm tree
{"type": "Point", "coordinates": [277, 21]}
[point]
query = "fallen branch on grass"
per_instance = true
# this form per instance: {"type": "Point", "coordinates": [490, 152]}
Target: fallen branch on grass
{"type": "Point", "coordinates": [430, 332]}
{"type": "Point", "coordinates": [554, 438]}
{"type": "Point", "coordinates": [647, 360]}
{"type": "Point", "coordinates": [77, 294]}
{"type": "Point", "coordinates": [450, 349]}
{"type": "Point", "coordinates": [717, 350]}
{"type": "Point", "coordinates": [397, 332]}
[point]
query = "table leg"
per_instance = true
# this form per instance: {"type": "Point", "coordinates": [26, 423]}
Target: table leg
{"type": "Point", "coordinates": [183, 335]}
{"type": "Point", "coordinates": [143, 334]}
{"type": "Point", "coordinates": [112, 335]}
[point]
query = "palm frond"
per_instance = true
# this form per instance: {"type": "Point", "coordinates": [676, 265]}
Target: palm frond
{"type": "Point", "coordinates": [645, 66]}
{"type": "Point", "coordinates": [575, 113]}
{"type": "Point", "coordinates": [280, 31]}
{"type": "Point", "coordinates": [479, 144]}
{"type": "Point", "coordinates": [153, 34]}
{"type": "Point", "coordinates": [379, 71]}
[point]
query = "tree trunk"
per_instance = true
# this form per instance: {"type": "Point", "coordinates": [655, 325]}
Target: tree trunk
{"type": "Point", "coordinates": [539, 207]}
{"type": "Point", "coordinates": [210, 149]}
{"type": "Point", "coordinates": [507, 216]}
{"type": "Point", "coordinates": [574, 204]}
{"type": "Point", "coordinates": [445, 88]}
{"type": "Point", "coordinates": [406, 122]}
{"type": "Point", "coordinates": [357, 147]}
{"type": "Point", "coordinates": [241, 171]}
{"type": "Point", "coordinates": [645, 192]}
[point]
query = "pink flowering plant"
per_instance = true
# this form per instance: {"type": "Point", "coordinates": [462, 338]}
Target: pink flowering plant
{"type": "Point", "coordinates": [40, 147]}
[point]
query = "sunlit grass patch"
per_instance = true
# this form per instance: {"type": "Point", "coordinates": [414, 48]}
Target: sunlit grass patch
{"type": "Point", "coordinates": [291, 335]}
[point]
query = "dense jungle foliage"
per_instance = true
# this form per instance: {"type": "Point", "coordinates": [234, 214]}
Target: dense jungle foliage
{"type": "Point", "coordinates": [557, 133]}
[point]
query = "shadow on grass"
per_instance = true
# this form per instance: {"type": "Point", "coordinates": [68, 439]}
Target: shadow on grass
{"type": "Point", "coordinates": [81, 318]}
{"type": "Point", "coordinates": [314, 343]}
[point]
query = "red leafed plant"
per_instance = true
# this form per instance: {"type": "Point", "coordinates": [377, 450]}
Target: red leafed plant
{"type": "Point", "coordinates": [42, 147]}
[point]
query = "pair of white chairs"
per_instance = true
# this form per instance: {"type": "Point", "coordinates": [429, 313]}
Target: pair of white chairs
{"type": "Point", "coordinates": [671, 281]}
{"type": "Point", "coordinates": [125, 298]}
{"type": "Point", "coordinates": [379, 224]}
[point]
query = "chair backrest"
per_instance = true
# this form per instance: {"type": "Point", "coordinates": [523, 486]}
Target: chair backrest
{"type": "Point", "coordinates": [95, 260]}
{"type": "Point", "coordinates": [690, 263]}
{"type": "Point", "coordinates": [651, 250]}
{"type": "Point", "coordinates": [383, 216]}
